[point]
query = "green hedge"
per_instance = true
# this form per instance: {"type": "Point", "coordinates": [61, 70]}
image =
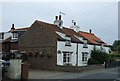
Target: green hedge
{"type": "Point", "coordinates": [99, 57]}
{"type": "Point", "coordinates": [115, 55]}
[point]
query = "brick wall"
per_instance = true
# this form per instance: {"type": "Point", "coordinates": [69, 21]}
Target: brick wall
{"type": "Point", "coordinates": [39, 40]}
{"type": "Point", "coordinates": [7, 46]}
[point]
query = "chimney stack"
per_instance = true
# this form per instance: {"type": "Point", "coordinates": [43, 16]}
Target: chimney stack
{"type": "Point", "coordinates": [58, 21]}
{"type": "Point", "coordinates": [12, 28]}
{"type": "Point", "coordinates": [90, 31]}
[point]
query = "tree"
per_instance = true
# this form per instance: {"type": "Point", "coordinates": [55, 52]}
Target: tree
{"type": "Point", "coordinates": [98, 57]}
{"type": "Point", "coordinates": [116, 45]}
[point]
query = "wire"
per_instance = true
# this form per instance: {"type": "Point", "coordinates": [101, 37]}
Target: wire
{"type": "Point", "coordinates": [108, 28]}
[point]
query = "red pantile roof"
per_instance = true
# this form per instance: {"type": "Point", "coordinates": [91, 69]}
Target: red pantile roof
{"type": "Point", "coordinates": [67, 31]}
{"type": "Point", "coordinates": [91, 38]}
{"type": "Point", "coordinates": [71, 33]}
{"type": "Point", "coordinates": [50, 26]}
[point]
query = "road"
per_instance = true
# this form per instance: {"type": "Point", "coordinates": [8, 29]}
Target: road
{"type": "Point", "coordinates": [103, 74]}
{"type": "Point", "coordinates": [109, 74]}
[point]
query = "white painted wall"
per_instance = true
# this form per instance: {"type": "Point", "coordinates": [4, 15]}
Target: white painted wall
{"type": "Point", "coordinates": [80, 50]}
{"type": "Point", "coordinates": [6, 35]}
{"type": "Point", "coordinates": [73, 48]}
{"type": "Point", "coordinates": [61, 46]}
{"type": "Point", "coordinates": [90, 47]}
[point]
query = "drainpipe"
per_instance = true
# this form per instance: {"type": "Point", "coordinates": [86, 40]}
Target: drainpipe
{"type": "Point", "coordinates": [77, 55]}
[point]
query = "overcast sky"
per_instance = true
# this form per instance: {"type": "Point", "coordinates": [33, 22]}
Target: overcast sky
{"type": "Point", "coordinates": [101, 16]}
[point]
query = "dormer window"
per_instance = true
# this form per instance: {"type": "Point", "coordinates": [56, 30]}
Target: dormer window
{"type": "Point", "coordinates": [68, 41]}
{"type": "Point", "coordinates": [102, 44]}
{"type": "Point", "coordinates": [101, 47]}
{"type": "Point", "coordinates": [1, 35]}
{"type": "Point", "coordinates": [15, 35]}
{"type": "Point", "coordinates": [85, 44]}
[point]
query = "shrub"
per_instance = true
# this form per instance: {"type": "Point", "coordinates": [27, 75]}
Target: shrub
{"type": "Point", "coordinates": [114, 56]}
{"type": "Point", "coordinates": [98, 57]}
{"type": "Point", "coordinates": [91, 61]}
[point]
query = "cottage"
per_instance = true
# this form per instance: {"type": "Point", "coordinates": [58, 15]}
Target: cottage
{"type": "Point", "coordinates": [51, 45]}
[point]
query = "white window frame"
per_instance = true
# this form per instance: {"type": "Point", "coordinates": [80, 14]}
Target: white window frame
{"type": "Point", "coordinates": [14, 35]}
{"type": "Point", "coordinates": [85, 57]}
{"type": "Point", "coordinates": [102, 47]}
{"type": "Point", "coordinates": [66, 58]}
{"type": "Point", "coordinates": [68, 41]}
{"type": "Point", "coordinates": [85, 45]}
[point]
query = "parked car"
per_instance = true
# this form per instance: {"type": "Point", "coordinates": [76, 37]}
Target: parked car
{"type": "Point", "coordinates": [4, 65]}
{"type": "Point", "coordinates": [1, 62]}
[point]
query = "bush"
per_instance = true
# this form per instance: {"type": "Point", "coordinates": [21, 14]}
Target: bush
{"type": "Point", "coordinates": [98, 57]}
{"type": "Point", "coordinates": [114, 56]}
{"type": "Point", "coordinates": [91, 61]}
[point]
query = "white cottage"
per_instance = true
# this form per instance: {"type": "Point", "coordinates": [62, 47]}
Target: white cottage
{"type": "Point", "coordinates": [76, 50]}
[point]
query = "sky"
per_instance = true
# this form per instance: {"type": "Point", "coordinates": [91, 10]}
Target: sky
{"type": "Point", "coordinates": [99, 15]}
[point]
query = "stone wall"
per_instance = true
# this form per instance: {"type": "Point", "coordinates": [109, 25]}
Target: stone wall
{"type": "Point", "coordinates": [78, 69]}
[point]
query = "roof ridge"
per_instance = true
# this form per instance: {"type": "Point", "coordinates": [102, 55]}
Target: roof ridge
{"type": "Point", "coordinates": [69, 29]}
{"type": "Point", "coordinates": [86, 32]}
{"type": "Point", "coordinates": [22, 28]}
{"type": "Point", "coordinates": [45, 22]}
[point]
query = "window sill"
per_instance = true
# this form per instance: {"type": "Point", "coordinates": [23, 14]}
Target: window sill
{"type": "Point", "coordinates": [67, 45]}
{"type": "Point", "coordinates": [84, 62]}
{"type": "Point", "coordinates": [14, 38]}
{"type": "Point", "coordinates": [85, 47]}
{"type": "Point", "coordinates": [67, 64]}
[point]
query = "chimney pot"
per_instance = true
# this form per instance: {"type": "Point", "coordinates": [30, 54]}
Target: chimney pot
{"type": "Point", "coordinates": [59, 17]}
{"type": "Point", "coordinates": [13, 25]}
{"type": "Point", "coordinates": [90, 31]}
{"type": "Point", "coordinates": [56, 17]}
{"type": "Point", "coordinates": [74, 23]}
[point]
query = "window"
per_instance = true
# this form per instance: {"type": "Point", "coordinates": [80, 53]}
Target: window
{"type": "Point", "coordinates": [68, 41]}
{"type": "Point", "coordinates": [1, 35]}
{"type": "Point", "coordinates": [15, 36]}
{"type": "Point", "coordinates": [85, 44]}
{"type": "Point", "coordinates": [66, 57]}
{"type": "Point", "coordinates": [101, 46]}
{"type": "Point", "coordinates": [84, 56]}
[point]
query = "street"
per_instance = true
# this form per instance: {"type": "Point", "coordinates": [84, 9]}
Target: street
{"type": "Point", "coordinates": [109, 73]}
